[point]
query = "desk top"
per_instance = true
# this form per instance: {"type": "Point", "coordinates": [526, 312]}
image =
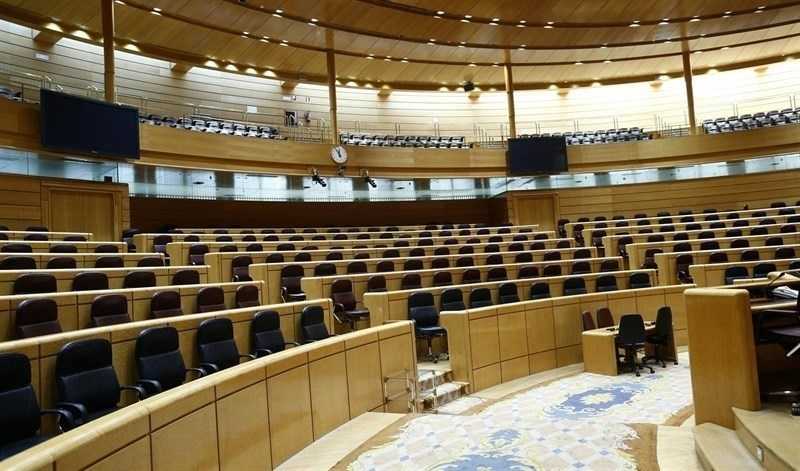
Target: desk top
{"type": "Point", "coordinates": [764, 305]}
{"type": "Point", "coordinates": [613, 331]}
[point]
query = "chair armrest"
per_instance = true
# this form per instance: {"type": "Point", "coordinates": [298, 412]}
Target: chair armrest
{"type": "Point", "coordinates": [150, 386]}
{"type": "Point", "coordinates": [292, 343]}
{"type": "Point", "coordinates": [284, 294]}
{"type": "Point", "coordinates": [338, 307]}
{"type": "Point", "coordinates": [260, 352]}
{"type": "Point", "coordinates": [781, 312]}
{"type": "Point", "coordinates": [209, 368]}
{"type": "Point", "coordinates": [64, 418]}
{"type": "Point", "coordinates": [249, 356]}
{"type": "Point", "coordinates": [336, 317]}
{"type": "Point", "coordinates": [199, 371]}
{"type": "Point", "coordinates": [140, 391]}
{"type": "Point", "coordinates": [78, 411]}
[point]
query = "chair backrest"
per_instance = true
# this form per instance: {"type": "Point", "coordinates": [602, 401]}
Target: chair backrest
{"type": "Point", "coordinates": [139, 279]}
{"type": "Point", "coordinates": [17, 248]}
{"type": "Point", "coordinates": [325, 269]}
{"type": "Point", "coordinates": [452, 299]}
{"type": "Point", "coordinates": [784, 252]}
{"type": "Point", "coordinates": [90, 281]}
{"type": "Point", "coordinates": [85, 375]}
{"type": "Point", "coordinates": [247, 296]}
{"type": "Point", "coordinates": [588, 321]}
{"type": "Point", "coordinates": [37, 229]}
{"type": "Point", "coordinates": [609, 265]}
{"type": "Point", "coordinates": [605, 283]}
{"type": "Point", "coordinates": [746, 256]}
{"type": "Point", "coordinates": [438, 263]}
{"type": "Point", "coordinates": [539, 291]}
{"type": "Point", "coordinates": [62, 263]}
{"type": "Point", "coordinates": [342, 293]}
{"type": "Point", "coordinates": [581, 253]}
{"type": "Point", "coordinates": [165, 304]}
{"type": "Point", "coordinates": [581, 267]}
{"type": "Point", "coordinates": [527, 272]}
{"type": "Point", "coordinates": [158, 357]}
{"type": "Point", "coordinates": [106, 248]}
{"type": "Point", "coordinates": [186, 277]}
{"type": "Point", "coordinates": [761, 270]}
{"type": "Point", "coordinates": [709, 245]}
{"type": "Point", "coordinates": [32, 283]}
{"type": "Point", "coordinates": [550, 256]}
{"type": "Point", "coordinates": [210, 298]}
{"type": "Point", "coordinates": [109, 309]}
{"type": "Point", "coordinates": [573, 286]}
{"type": "Point", "coordinates": [37, 316]}
{"type": "Point", "coordinates": [525, 257]}
{"type": "Point", "coordinates": [442, 278]}
{"type": "Point", "coordinates": [19, 408]}
{"type": "Point", "coordinates": [497, 274]}
{"type": "Point", "coordinates": [376, 284]}
{"type": "Point", "coordinates": [215, 343]}
{"type": "Point", "coordinates": [150, 262]}
{"type": "Point", "coordinates": [604, 318]}
{"type": "Point", "coordinates": [63, 248]}
{"type": "Point", "coordinates": [411, 281]}
{"type": "Point", "coordinates": [334, 256]}
{"type": "Point", "coordinates": [507, 293]}
{"type": "Point", "coordinates": [470, 275]}
{"type": "Point", "coordinates": [312, 324]}
{"type": "Point", "coordinates": [412, 264]}
{"type": "Point", "coordinates": [109, 261]}
{"type": "Point", "coordinates": [465, 262]}
{"type": "Point", "coordinates": [480, 297]}
{"type": "Point", "coordinates": [639, 280]}
{"type": "Point", "coordinates": [18, 263]}
{"type": "Point", "coordinates": [422, 310]}
{"type": "Point", "coordinates": [466, 249]}
{"type": "Point", "coordinates": [631, 330]}
{"type": "Point", "coordinates": [663, 321]}
{"type": "Point", "coordinates": [735, 273]}
{"type": "Point", "coordinates": [356, 267]}
{"type": "Point", "coordinates": [265, 331]}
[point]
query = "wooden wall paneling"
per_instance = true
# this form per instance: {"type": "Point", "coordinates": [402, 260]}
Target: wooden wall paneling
{"type": "Point", "coordinates": [540, 208]}
{"type": "Point", "coordinates": [364, 380]}
{"type": "Point", "coordinates": [243, 428]}
{"type": "Point", "coordinates": [89, 207]}
{"type": "Point", "coordinates": [329, 392]}
{"type": "Point", "coordinates": [188, 443]}
{"type": "Point", "coordinates": [291, 427]}
{"type": "Point", "coordinates": [20, 202]}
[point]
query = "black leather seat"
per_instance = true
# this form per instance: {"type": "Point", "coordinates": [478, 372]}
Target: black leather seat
{"type": "Point", "coordinates": [35, 317]}
{"type": "Point", "coordinates": [210, 298]}
{"type": "Point", "coordinates": [139, 279]}
{"type": "Point", "coordinates": [290, 283]}
{"type": "Point", "coordinates": [165, 304]}
{"type": "Point", "coordinates": [344, 303]}
{"type": "Point", "coordinates": [33, 283]}
{"type": "Point", "coordinates": [539, 291]}
{"type": "Point", "coordinates": [639, 280]}
{"type": "Point", "coordinates": [376, 284]}
{"type": "Point", "coordinates": [62, 263]}
{"type": "Point", "coordinates": [186, 277]}
{"type": "Point", "coordinates": [216, 345]}
{"type": "Point", "coordinates": [240, 267]}
{"type": "Point", "coordinates": [507, 293]}
{"type": "Point", "coordinates": [19, 409]}
{"type": "Point", "coordinates": [109, 261]}
{"type": "Point", "coordinates": [18, 263]}
{"type": "Point", "coordinates": [150, 262]}
{"type": "Point", "coordinates": [90, 281]}
{"type": "Point", "coordinates": [631, 339]}
{"type": "Point", "coordinates": [573, 286]}
{"type": "Point", "coordinates": [86, 382]}
{"type": "Point", "coordinates": [422, 310]}
{"type": "Point", "coordinates": [63, 248]}
{"type": "Point", "coordinates": [605, 283]}
{"type": "Point", "coordinates": [660, 336]}
{"type": "Point", "coordinates": [266, 335]}
{"type": "Point", "coordinates": [452, 299]}
{"type": "Point", "coordinates": [480, 297]}
{"type": "Point", "coordinates": [312, 324]}
{"type": "Point", "coordinates": [247, 296]}
{"type": "Point", "coordinates": [109, 309]}
{"type": "Point", "coordinates": [159, 361]}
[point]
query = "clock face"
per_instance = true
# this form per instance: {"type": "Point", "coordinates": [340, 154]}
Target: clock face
{"type": "Point", "coordinates": [339, 155]}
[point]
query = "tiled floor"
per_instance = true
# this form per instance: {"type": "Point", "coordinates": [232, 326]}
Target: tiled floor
{"type": "Point", "coordinates": [576, 422]}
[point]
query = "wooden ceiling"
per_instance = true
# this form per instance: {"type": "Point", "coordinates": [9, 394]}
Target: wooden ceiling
{"type": "Point", "coordinates": [428, 44]}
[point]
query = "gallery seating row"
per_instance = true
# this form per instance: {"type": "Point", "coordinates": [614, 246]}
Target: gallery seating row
{"type": "Point", "coordinates": [496, 344]}
{"type": "Point", "coordinates": [393, 305]}
{"type": "Point", "coordinates": [32, 280]}
{"type": "Point", "coordinates": [711, 214]}
{"type": "Point", "coordinates": [718, 274]}
{"type": "Point", "coordinates": [37, 246]}
{"type": "Point", "coordinates": [281, 403]}
{"type": "Point", "coordinates": [6, 234]}
{"type": "Point", "coordinates": [34, 314]}
{"type": "Point", "coordinates": [675, 266]}
{"type": "Point", "coordinates": [338, 229]}
{"type": "Point", "coordinates": [617, 243]}
{"type": "Point", "coordinates": [224, 266]}
{"type": "Point", "coordinates": [53, 261]}
{"type": "Point", "coordinates": [148, 241]}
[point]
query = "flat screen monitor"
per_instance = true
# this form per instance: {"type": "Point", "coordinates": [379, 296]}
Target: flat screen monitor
{"type": "Point", "coordinates": [536, 156]}
{"type": "Point", "coordinates": [82, 125]}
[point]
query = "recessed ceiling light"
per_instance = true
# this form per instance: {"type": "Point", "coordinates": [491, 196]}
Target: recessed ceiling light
{"type": "Point", "coordinates": [473, 65]}
{"type": "Point", "coordinates": [156, 9]}
{"type": "Point", "coordinates": [495, 19]}
{"type": "Point", "coordinates": [759, 11]}
{"type": "Point", "coordinates": [523, 21]}
{"type": "Point", "coordinates": [432, 40]}
{"type": "Point", "coordinates": [277, 15]}
{"type": "Point", "coordinates": [762, 7]}
{"type": "Point", "coordinates": [440, 12]}
{"type": "Point", "coordinates": [664, 23]}
{"type": "Point", "coordinates": [548, 26]}
{"type": "Point", "coordinates": [314, 20]}
{"type": "Point", "coordinates": [725, 48]}
{"type": "Point", "coordinates": [245, 33]}
{"type": "Point", "coordinates": [607, 61]}
{"type": "Point", "coordinates": [468, 16]}
{"type": "Point", "coordinates": [698, 52]}
{"type": "Point", "coordinates": [464, 20]}
{"type": "Point", "coordinates": [551, 22]}
{"type": "Point", "coordinates": [404, 61]}
{"type": "Point", "coordinates": [635, 24]}
{"type": "Point", "coordinates": [278, 11]}
{"type": "Point", "coordinates": [492, 24]}
{"type": "Point", "coordinates": [520, 25]}
{"type": "Point", "coordinates": [579, 63]}
{"type": "Point", "coordinates": [694, 19]}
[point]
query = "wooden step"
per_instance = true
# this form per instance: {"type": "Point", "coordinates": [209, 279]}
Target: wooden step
{"type": "Point", "coordinates": [770, 435]}
{"type": "Point", "coordinates": [429, 379]}
{"type": "Point", "coordinates": [431, 399]}
{"type": "Point", "coordinates": [720, 449]}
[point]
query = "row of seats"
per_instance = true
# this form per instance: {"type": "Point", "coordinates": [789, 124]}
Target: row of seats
{"type": "Point", "coordinates": [598, 137]}
{"type": "Point", "coordinates": [39, 316]}
{"type": "Point", "coordinates": [214, 126]}
{"type": "Point", "coordinates": [88, 385]}
{"type": "Point", "coordinates": [55, 248]}
{"type": "Point", "coordinates": [709, 242]}
{"type": "Point", "coordinates": [38, 282]}
{"type": "Point", "coordinates": [760, 270]}
{"type": "Point", "coordinates": [440, 142]}
{"type": "Point", "coordinates": [336, 230]}
{"type": "Point", "coordinates": [752, 121]}
{"type": "Point", "coordinates": [685, 260]}
{"type": "Point", "coordinates": [21, 262]}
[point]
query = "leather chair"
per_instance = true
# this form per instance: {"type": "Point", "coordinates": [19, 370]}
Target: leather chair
{"type": "Point", "coordinates": [609, 265]}
{"type": "Point", "coordinates": [439, 263]}
{"type": "Point", "coordinates": [551, 256]}
{"type": "Point", "coordinates": [773, 241]}
{"type": "Point", "coordinates": [19, 408]}
{"type": "Point", "coordinates": [537, 246]}
{"type": "Point", "coordinates": [106, 248]}
{"type": "Point", "coordinates": [497, 274]}
{"type": "Point", "coordinates": [150, 262]}
{"type": "Point", "coordinates": [784, 253]}
{"type": "Point", "coordinates": [422, 310]}
{"type": "Point", "coordinates": [605, 283]}
{"type": "Point", "coordinates": [61, 263]}
{"type": "Point", "coordinates": [639, 280]}
{"type": "Point", "coordinates": [34, 283]}
{"type": "Point", "coordinates": [331, 256]}
{"type": "Point", "coordinates": [165, 304]}
{"type": "Point", "coordinates": [197, 254]}
{"type": "Point", "coordinates": [159, 362]}
{"type": "Point", "coordinates": [356, 268]}
{"type": "Point", "coordinates": [17, 248]}
{"type": "Point", "coordinates": [527, 272]}
{"type": "Point", "coordinates": [216, 346]}
{"type": "Point", "coordinates": [650, 258]}
{"type": "Point", "coordinates": [35, 317]}
{"type": "Point", "coordinates": [376, 284]}
{"type": "Point", "coordinates": [442, 278]}
{"type": "Point", "coordinates": [109, 261]}
{"type": "Point", "coordinates": [274, 258]}
{"type": "Point", "coordinates": [344, 303]}
{"type": "Point", "coordinates": [160, 243]}
{"type": "Point", "coordinates": [470, 275]}
{"type": "Point", "coordinates": [139, 279]}
{"type": "Point", "coordinates": [507, 293]}
{"type": "Point", "coordinates": [210, 298]}
{"type": "Point", "coordinates": [452, 299]}
{"type": "Point", "coordinates": [581, 253]}
{"type": "Point", "coordinates": [266, 335]}
{"type": "Point", "coordinates": [539, 291]}
{"type": "Point", "coordinates": [312, 324]}
{"type": "Point", "coordinates": [587, 321]}
{"type": "Point", "coordinates": [480, 297]}
{"type": "Point", "coordinates": [416, 252]}
{"type": "Point", "coordinates": [325, 269]}
{"type": "Point", "coordinates": [290, 283]}
{"type": "Point", "coordinates": [525, 257]}
{"type": "Point", "coordinates": [660, 336]}
{"type": "Point", "coordinates": [551, 270]}
{"type": "Point", "coordinates": [186, 277]}
{"type": "Point", "coordinates": [604, 318]}
{"type": "Point", "coordinates": [581, 267]}
{"type": "Point", "coordinates": [247, 296]}
{"type": "Point", "coordinates": [761, 270]}
{"type": "Point", "coordinates": [240, 266]}
{"type": "Point", "coordinates": [631, 338]}
{"type": "Point", "coordinates": [86, 382]}
{"type": "Point", "coordinates": [735, 273]}
{"type": "Point", "coordinates": [90, 281]}
{"type": "Point", "coordinates": [37, 229]}
{"type": "Point", "coordinates": [746, 256]}
{"type": "Point", "coordinates": [466, 249]}
{"type": "Point", "coordinates": [63, 248]}
{"type": "Point", "coordinates": [412, 264]}
{"type": "Point", "coordinates": [411, 281]}
{"type": "Point", "coordinates": [384, 266]}
{"type": "Point", "coordinates": [109, 309]}
{"type": "Point", "coordinates": [573, 286]}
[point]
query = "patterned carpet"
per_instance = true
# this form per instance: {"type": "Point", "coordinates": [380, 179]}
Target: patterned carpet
{"type": "Point", "coordinates": [583, 422]}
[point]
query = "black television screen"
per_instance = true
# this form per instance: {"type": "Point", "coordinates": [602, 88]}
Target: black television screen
{"type": "Point", "coordinates": [82, 125]}
{"type": "Point", "coordinates": [536, 155]}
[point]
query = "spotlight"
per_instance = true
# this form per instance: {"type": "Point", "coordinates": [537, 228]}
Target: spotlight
{"type": "Point", "coordinates": [317, 179]}
{"type": "Point", "coordinates": [368, 179]}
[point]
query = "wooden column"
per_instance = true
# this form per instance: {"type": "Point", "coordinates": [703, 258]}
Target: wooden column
{"type": "Point", "coordinates": [687, 78]}
{"type": "Point", "coordinates": [512, 115]}
{"type": "Point", "coordinates": [331, 60]}
{"type": "Point", "coordinates": [107, 7]}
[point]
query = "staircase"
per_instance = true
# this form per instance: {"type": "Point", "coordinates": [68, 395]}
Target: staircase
{"type": "Point", "coordinates": [762, 440]}
{"type": "Point", "coordinates": [437, 389]}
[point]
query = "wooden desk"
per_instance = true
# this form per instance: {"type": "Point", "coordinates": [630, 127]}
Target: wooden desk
{"type": "Point", "coordinates": [600, 352]}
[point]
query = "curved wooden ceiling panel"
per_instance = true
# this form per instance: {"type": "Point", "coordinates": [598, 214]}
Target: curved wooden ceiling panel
{"type": "Point", "coordinates": [388, 42]}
